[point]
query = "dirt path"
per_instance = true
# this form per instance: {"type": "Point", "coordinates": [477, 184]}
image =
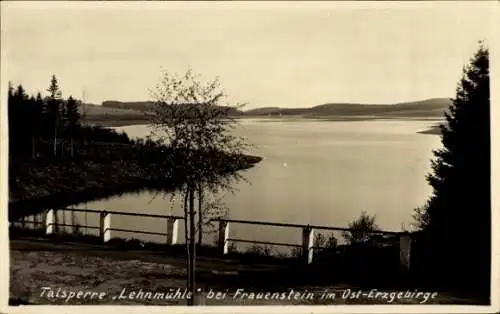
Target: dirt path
{"type": "Point", "coordinates": [39, 268]}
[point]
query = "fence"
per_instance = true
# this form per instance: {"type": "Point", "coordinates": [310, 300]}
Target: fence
{"type": "Point", "coordinates": [47, 221]}
{"type": "Point", "coordinates": [41, 148]}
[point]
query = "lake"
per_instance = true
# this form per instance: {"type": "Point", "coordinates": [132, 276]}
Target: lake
{"type": "Point", "coordinates": [313, 172]}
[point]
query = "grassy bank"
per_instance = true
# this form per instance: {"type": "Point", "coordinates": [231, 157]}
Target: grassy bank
{"type": "Point", "coordinates": [38, 186]}
{"type": "Point", "coordinates": [60, 185]}
{"type": "Point", "coordinates": [96, 170]}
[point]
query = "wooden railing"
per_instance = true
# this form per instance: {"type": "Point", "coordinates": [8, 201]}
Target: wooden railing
{"type": "Point", "coordinates": [47, 221]}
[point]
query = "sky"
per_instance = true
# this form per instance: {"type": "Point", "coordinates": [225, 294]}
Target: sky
{"type": "Point", "coordinates": [265, 54]}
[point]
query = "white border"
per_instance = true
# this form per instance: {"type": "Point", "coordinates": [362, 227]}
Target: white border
{"type": "Point", "coordinates": [493, 44]}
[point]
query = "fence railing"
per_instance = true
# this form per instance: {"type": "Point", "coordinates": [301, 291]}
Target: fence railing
{"type": "Point", "coordinates": [48, 223]}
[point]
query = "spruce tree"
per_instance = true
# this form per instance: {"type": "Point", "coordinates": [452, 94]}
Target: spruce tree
{"type": "Point", "coordinates": [456, 221]}
{"type": "Point", "coordinates": [53, 88]}
{"type": "Point", "coordinates": [11, 91]}
{"type": "Point", "coordinates": [16, 97]}
{"type": "Point", "coordinates": [54, 109]}
{"type": "Point", "coordinates": [37, 105]}
{"type": "Point", "coordinates": [17, 119]}
{"type": "Point", "coordinates": [72, 118]}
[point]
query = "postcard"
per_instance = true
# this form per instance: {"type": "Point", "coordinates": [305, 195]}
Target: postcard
{"type": "Point", "coordinates": [249, 156]}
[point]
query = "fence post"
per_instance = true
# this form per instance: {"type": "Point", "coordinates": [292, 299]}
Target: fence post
{"type": "Point", "coordinates": [105, 226]}
{"type": "Point", "coordinates": [307, 244]}
{"type": "Point", "coordinates": [49, 221]}
{"type": "Point", "coordinates": [35, 222]}
{"type": "Point", "coordinates": [74, 227]}
{"type": "Point", "coordinates": [404, 251]}
{"type": "Point", "coordinates": [41, 220]}
{"type": "Point", "coordinates": [224, 236]}
{"type": "Point", "coordinates": [172, 230]}
{"type": "Point", "coordinates": [64, 220]}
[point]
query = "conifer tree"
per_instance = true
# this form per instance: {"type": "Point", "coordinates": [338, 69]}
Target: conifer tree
{"type": "Point", "coordinates": [54, 108]}
{"type": "Point", "coordinates": [18, 133]}
{"type": "Point", "coordinates": [72, 118]}
{"type": "Point", "coordinates": [456, 221]}
{"type": "Point", "coordinates": [37, 107]}
{"type": "Point", "coordinates": [14, 117]}
{"type": "Point", "coordinates": [11, 90]}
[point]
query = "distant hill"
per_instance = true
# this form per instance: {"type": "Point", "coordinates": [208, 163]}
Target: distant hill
{"type": "Point", "coordinates": [118, 112]}
{"type": "Point", "coordinates": [134, 105]}
{"type": "Point", "coordinates": [144, 106]}
{"type": "Point", "coordinates": [262, 111]}
{"type": "Point", "coordinates": [426, 108]}
{"type": "Point", "coordinates": [109, 116]}
{"type": "Point", "coordinates": [92, 110]}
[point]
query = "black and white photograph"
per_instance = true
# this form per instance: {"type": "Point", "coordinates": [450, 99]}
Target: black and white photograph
{"type": "Point", "coordinates": [234, 155]}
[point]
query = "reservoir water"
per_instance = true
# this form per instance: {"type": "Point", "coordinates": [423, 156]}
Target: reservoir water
{"type": "Point", "coordinates": [313, 172]}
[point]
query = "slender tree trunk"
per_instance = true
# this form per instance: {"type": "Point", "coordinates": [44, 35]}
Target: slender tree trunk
{"type": "Point", "coordinates": [200, 214]}
{"type": "Point", "coordinates": [56, 221]}
{"type": "Point", "coordinates": [192, 230]}
{"type": "Point", "coordinates": [186, 238]}
{"type": "Point", "coordinates": [55, 141]}
{"type": "Point", "coordinates": [33, 151]}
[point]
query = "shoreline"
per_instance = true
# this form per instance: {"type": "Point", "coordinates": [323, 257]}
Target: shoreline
{"type": "Point", "coordinates": [121, 123]}
{"type": "Point", "coordinates": [431, 130]}
{"type": "Point", "coordinates": [31, 191]}
{"type": "Point", "coordinates": [435, 130]}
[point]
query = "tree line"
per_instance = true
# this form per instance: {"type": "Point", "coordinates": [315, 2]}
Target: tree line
{"type": "Point", "coordinates": [35, 120]}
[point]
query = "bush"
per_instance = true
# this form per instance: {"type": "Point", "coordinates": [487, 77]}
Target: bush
{"type": "Point", "coordinates": [259, 250]}
{"type": "Point", "coordinates": [361, 229]}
